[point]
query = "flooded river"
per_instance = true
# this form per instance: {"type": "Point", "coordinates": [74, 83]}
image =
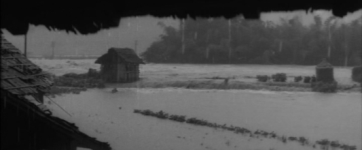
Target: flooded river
{"type": "Point", "coordinates": [109, 117]}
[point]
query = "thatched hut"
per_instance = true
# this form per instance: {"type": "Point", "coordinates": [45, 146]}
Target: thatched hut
{"type": "Point", "coordinates": [324, 72]}
{"type": "Point", "coordinates": [25, 121]}
{"type": "Point", "coordinates": [119, 65]}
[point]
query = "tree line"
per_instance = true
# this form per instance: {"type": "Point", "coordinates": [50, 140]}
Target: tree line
{"type": "Point", "coordinates": [240, 41]}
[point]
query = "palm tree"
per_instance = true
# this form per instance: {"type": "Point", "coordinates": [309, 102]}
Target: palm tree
{"type": "Point", "coordinates": [329, 22]}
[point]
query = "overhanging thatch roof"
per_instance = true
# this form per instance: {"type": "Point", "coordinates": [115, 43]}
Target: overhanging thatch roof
{"type": "Point", "coordinates": [45, 118]}
{"type": "Point", "coordinates": [92, 17]}
{"type": "Point", "coordinates": [127, 55]}
{"type": "Point", "coordinates": [20, 76]}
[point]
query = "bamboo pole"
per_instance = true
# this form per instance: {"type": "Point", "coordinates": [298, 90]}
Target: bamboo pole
{"type": "Point", "coordinates": [25, 44]}
{"type": "Point", "coordinates": [229, 39]}
{"type": "Point", "coordinates": [53, 45]}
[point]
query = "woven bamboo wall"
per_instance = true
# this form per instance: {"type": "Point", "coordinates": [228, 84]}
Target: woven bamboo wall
{"type": "Point", "coordinates": [325, 74]}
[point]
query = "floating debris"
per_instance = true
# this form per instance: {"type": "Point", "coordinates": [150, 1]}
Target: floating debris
{"type": "Point", "coordinates": [114, 90]}
{"type": "Point", "coordinates": [324, 143]}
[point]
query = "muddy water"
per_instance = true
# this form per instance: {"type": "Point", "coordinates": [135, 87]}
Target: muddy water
{"type": "Point", "coordinates": [109, 117]}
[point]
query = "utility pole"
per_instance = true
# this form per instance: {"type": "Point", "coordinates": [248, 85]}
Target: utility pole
{"type": "Point", "coordinates": [53, 45]}
{"type": "Point", "coordinates": [135, 46]}
{"type": "Point", "coordinates": [329, 41]}
{"type": "Point", "coordinates": [25, 44]}
{"type": "Point", "coordinates": [229, 40]}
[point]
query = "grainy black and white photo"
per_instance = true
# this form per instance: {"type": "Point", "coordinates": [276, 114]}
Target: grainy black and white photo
{"type": "Point", "coordinates": [286, 80]}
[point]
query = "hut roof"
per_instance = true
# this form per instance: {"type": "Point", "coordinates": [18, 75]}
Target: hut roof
{"type": "Point", "coordinates": [19, 75]}
{"type": "Point", "coordinates": [127, 55]}
{"type": "Point", "coordinates": [324, 64]}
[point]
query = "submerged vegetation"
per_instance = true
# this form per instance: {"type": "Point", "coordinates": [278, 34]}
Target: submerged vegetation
{"type": "Point", "coordinates": [87, 80]}
{"type": "Point", "coordinates": [75, 83]}
{"type": "Point", "coordinates": [324, 144]}
{"type": "Point", "coordinates": [279, 77]}
{"type": "Point", "coordinates": [329, 87]}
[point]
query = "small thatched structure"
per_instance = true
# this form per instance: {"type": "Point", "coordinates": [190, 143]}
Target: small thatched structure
{"type": "Point", "coordinates": [119, 65]}
{"type": "Point", "coordinates": [25, 121]}
{"type": "Point", "coordinates": [357, 74]}
{"type": "Point", "coordinates": [325, 78]}
{"type": "Point", "coordinates": [324, 72]}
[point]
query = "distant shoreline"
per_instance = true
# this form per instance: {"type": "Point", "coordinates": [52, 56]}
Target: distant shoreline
{"type": "Point", "coordinates": [241, 77]}
{"type": "Point", "coordinates": [210, 85]}
{"type": "Point", "coordinates": [170, 63]}
{"type": "Point", "coordinates": [206, 85]}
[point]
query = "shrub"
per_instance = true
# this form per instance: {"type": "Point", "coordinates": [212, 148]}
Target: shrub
{"type": "Point", "coordinates": [307, 79]}
{"type": "Point", "coordinates": [325, 87]}
{"type": "Point", "coordinates": [279, 77]}
{"type": "Point", "coordinates": [298, 79]}
{"type": "Point", "coordinates": [262, 78]}
{"type": "Point", "coordinates": [177, 118]}
{"type": "Point", "coordinates": [93, 73]}
{"type": "Point", "coordinates": [88, 80]}
{"type": "Point", "coordinates": [313, 79]}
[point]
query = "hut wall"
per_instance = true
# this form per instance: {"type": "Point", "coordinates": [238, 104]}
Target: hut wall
{"type": "Point", "coordinates": [133, 72]}
{"type": "Point", "coordinates": [109, 72]}
{"type": "Point", "coordinates": [325, 74]}
{"type": "Point", "coordinates": [121, 76]}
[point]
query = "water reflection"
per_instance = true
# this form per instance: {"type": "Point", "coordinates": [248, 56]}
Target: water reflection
{"type": "Point", "coordinates": [312, 115]}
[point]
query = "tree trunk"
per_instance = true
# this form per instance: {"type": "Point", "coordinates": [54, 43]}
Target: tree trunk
{"type": "Point", "coordinates": [294, 56]}
{"type": "Point", "coordinates": [207, 52]}
{"type": "Point", "coordinates": [280, 45]}
{"type": "Point", "coordinates": [346, 55]}
{"type": "Point", "coordinates": [329, 45]}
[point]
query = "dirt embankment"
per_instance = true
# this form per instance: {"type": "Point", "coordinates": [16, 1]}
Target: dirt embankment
{"type": "Point", "coordinates": [196, 76]}
{"type": "Point", "coordinates": [230, 84]}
